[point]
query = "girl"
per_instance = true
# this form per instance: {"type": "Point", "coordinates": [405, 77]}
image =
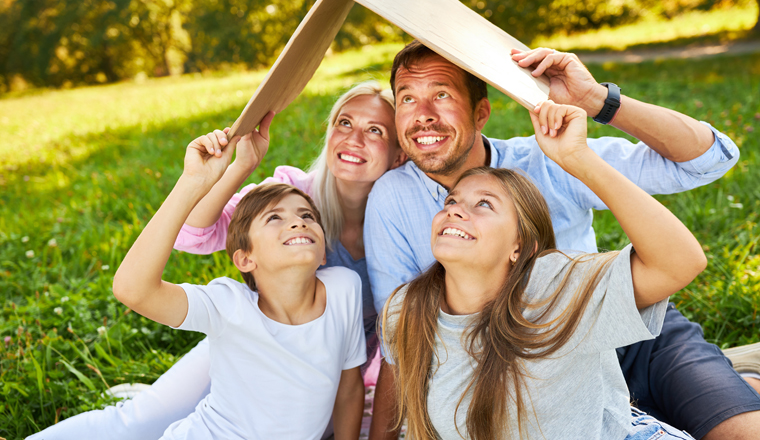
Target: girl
{"type": "Point", "coordinates": [505, 337]}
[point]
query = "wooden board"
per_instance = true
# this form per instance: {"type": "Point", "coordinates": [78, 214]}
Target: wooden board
{"type": "Point", "coordinates": [447, 26]}
{"type": "Point", "coordinates": [468, 40]}
{"type": "Point", "coordinates": [296, 64]}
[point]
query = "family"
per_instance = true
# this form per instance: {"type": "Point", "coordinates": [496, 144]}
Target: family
{"type": "Point", "coordinates": [469, 262]}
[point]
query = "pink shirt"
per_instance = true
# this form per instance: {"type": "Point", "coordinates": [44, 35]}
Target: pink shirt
{"type": "Point", "coordinates": [213, 238]}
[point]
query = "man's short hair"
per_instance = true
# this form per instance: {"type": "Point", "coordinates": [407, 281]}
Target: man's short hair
{"type": "Point", "coordinates": [253, 204]}
{"type": "Point", "coordinates": [415, 52]}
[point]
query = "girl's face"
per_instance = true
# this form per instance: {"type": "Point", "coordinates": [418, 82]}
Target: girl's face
{"type": "Point", "coordinates": [362, 144]}
{"type": "Point", "coordinates": [477, 227]}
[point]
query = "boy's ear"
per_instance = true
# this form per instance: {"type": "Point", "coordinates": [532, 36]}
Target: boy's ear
{"type": "Point", "coordinates": [243, 261]}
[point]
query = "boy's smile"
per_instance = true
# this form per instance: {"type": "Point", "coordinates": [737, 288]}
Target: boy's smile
{"type": "Point", "coordinates": [287, 235]}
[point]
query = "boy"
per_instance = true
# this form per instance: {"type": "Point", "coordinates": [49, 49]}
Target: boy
{"type": "Point", "coordinates": [286, 346]}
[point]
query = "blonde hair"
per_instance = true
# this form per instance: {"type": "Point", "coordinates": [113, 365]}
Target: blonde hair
{"type": "Point", "coordinates": [325, 190]}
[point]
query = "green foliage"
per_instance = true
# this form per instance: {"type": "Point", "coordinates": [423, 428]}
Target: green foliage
{"type": "Point", "coordinates": [82, 171]}
{"type": "Point", "coordinates": [71, 42]}
{"type": "Point", "coordinates": [689, 28]}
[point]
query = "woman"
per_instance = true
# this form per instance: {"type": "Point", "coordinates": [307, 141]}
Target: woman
{"type": "Point", "coordinates": [505, 337]}
{"type": "Point", "coordinates": [360, 146]}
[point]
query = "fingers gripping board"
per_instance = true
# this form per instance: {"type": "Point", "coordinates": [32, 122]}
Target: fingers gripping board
{"type": "Point", "coordinates": [296, 64]}
{"type": "Point", "coordinates": [447, 26]}
{"type": "Point", "coordinates": [468, 40]}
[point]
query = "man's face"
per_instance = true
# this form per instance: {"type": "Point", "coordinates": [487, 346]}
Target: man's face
{"type": "Point", "coordinates": [435, 120]}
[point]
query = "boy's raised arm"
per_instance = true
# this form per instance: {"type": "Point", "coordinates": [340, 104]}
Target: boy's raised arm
{"type": "Point", "coordinates": [138, 282]}
{"type": "Point", "coordinates": [250, 150]}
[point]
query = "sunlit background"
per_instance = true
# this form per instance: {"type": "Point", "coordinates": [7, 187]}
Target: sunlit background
{"type": "Point", "coordinates": [98, 100]}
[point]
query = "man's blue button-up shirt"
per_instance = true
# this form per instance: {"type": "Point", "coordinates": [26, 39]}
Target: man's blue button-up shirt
{"type": "Point", "coordinates": [403, 202]}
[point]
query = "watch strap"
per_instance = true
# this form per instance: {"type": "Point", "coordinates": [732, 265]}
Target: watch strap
{"type": "Point", "coordinates": [611, 104]}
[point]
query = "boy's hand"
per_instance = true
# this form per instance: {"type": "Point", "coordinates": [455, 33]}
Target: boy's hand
{"type": "Point", "coordinates": [253, 146]}
{"type": "Point", "coordinates": [207, 157]}
{"type": "Point", "coordinates": [561, 132]}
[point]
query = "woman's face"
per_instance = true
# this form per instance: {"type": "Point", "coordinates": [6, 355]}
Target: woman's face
{"type": "Point", "coordinates": [477, 226]}
{"type": "Point", "coordinates": [362, 144]}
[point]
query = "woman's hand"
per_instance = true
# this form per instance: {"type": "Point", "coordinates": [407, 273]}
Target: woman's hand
{"type": "Point", "coordinates": [207, 157]}
{"type": "Point", "coordinates": [253, 146]}
{"type": "Point", "coordinates": [561, 133]}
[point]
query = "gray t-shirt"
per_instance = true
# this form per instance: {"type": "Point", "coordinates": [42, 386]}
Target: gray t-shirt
{"type": "Point", "coordinates": [577, 393]}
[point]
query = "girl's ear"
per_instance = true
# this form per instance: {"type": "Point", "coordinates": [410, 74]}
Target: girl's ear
{"type": "Point", "coordinates": [243, 261]}
{"type": "Point", "coordinates": [516, 254]}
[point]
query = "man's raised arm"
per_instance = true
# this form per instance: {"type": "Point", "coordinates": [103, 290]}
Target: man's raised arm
{"type": "Point", "coordinates": [673, 135]}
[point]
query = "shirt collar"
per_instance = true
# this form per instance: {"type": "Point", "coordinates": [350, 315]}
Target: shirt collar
{"type": "Point", "coordinates": [435, 189]}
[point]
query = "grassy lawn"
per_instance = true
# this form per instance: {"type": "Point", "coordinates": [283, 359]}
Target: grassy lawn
{"type": "Point", "coordinates": [81, 172]}
{"type": "Point", "coordinates": [697, 27]}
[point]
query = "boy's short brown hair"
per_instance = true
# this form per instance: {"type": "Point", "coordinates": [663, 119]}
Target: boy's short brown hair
{"type": "Point", "coordinates": [253, 204]}
{"type": "Point", "coordinates": [415, 52]}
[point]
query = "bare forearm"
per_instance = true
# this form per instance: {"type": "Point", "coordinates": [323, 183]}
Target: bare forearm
{"type": "Point", "coordinates": [670, 255]}
{"type": "Point", "coordinates": [141, 271]}
{"type": "Point", "coordinates": [349, 406]}
{"type": "Point", "coordinates": [384, 407]}
{"type": "Point", "coordinates": [673, 135]}
{"type": "Point", "coordinates": [209, 209]}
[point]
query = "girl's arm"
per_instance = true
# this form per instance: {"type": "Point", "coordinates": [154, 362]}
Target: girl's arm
{"type": "Point", "coordinates": [349, 405]}
{"type": "Point", "coordinates": [667, 256]}
{"type": "Point", "coordinates": [250, 150]}
{"type": "Point", "coordinates": [138, 282]}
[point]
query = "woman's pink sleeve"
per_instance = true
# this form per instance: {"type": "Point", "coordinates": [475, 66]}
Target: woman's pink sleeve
{"type": "Point", "coordinates": [214, 238]}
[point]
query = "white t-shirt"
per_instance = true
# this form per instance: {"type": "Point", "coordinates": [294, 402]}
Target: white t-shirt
{"type": "Point", "coordinates": [271, 380]}
{"type": "Point", "coordinates": [578, 392]}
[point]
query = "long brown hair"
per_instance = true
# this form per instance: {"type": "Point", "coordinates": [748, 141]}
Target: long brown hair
{"type": "Point", "coordinates": [499, 340]}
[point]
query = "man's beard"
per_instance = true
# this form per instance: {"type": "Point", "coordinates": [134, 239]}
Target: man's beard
{"type": "Point", "coordinates": [450, 161]}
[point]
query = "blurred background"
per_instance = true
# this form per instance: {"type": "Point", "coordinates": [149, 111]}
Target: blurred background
{"type": "Point", "coordinates": [99, 99]}
{"type": "Point", "coordinates": [65, 43]}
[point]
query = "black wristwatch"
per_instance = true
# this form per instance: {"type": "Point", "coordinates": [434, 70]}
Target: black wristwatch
{"type": "Point", "coordinates": [611, 104]}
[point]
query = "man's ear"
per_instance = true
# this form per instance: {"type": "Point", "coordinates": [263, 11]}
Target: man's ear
{"type": "Point", "coordinates": [401, 157]}
{"type": "Point", "coordinates": [243, 261]}
{"type": "Point", "coordinates": [482, 113]}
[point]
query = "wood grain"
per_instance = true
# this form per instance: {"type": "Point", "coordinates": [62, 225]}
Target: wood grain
{"type": "Point", "coordinates": [468, 40]}
{"type": "Point", "coordinates": [296, 64]}
{"type": "Point", "coordinates": [447, 26]}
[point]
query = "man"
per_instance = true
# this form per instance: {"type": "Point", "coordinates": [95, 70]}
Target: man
{"type": "Point", "coordinates": [440, 112]}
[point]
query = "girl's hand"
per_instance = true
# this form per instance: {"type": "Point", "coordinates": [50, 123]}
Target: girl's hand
{"type": "Point", "coordinates": [206, 158]}
{"type": "Point", "coordinates": [253, 146]}
{"type": "Point", "coordinates": [560, 132]}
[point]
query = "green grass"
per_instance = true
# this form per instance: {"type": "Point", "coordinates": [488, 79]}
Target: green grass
{"type": "Point", "coordinates": [700, 27]}
{"type": "Point", "coordinates": [78, 185]}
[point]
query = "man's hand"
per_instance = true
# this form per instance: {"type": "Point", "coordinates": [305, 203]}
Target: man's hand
{"type": "Point", "coordinates": [253, 146]}
{"type": "Point", "coordinates": [561, 133]}
{"type": "Point", "coordinates": [207, 157]}
{"type": "Point", "coordinates": [569, 80]}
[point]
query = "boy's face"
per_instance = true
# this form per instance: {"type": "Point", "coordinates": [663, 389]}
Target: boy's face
{"type": "Point", "coordinates": [287, 234]}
